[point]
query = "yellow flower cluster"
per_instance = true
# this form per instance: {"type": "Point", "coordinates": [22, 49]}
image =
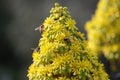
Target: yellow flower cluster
{"type": "Point", "coordinates": [104, 29]}
{"type": "Point", "coordinates": [63, 53]}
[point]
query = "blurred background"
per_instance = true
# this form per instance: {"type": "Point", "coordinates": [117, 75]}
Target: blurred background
{"type": "Point", "coordinates": [18, 19]}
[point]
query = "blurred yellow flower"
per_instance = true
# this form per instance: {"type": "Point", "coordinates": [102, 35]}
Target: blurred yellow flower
{"type": "Point", "coordinates": [103, 30]}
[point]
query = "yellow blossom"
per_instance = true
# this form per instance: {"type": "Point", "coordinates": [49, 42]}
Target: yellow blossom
{"type": "Point", "coordinates": [70, 23]}
{"type": "Point", "coordinates": [48, 22]}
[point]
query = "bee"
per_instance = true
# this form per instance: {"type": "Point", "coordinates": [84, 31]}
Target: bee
{"type": "Point", "coordinates": [35, 49]}
{"type": "Point", "coordinates": [66, 39]}
{"type": "Point", "coordinates": [40, 28]}
{"type": "Point", "coordinates": [68, 42]}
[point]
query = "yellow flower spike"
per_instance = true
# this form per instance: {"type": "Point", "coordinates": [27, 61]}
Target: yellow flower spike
{"type": "Point", "coordinates": [63, 53]}
{"type": "Point", "coordinates": [104, 31]}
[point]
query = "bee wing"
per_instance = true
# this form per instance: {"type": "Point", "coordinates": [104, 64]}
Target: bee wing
{"type": "Point", "coordinates": [37, 28]}
{"type": "Point", "coordinates": [35, 49]}
{"type": "Point", "coordinates": [32, 48]}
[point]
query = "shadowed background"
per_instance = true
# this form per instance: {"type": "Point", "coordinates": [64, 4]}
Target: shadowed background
{"type": "Point", "coordinates": [18, 19]}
